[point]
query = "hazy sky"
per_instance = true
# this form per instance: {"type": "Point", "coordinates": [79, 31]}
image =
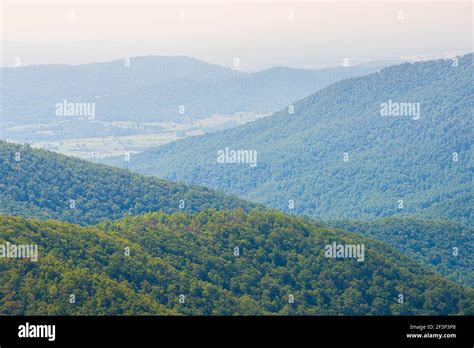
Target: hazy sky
{"type": "Point", "coordinates": [260, 34]}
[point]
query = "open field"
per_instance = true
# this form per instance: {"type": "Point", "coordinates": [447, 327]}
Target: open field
{"type": "Point", "coordinates": [127, 136]}
{"type": "Point", "coordinates": [109, 146]}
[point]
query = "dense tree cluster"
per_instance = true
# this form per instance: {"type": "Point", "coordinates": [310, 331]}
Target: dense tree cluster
{"type": "Point", "coordinates": [189, 264]}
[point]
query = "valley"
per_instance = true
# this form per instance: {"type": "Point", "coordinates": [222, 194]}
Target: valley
{"type": "Point", "coordinates": [92, 139]}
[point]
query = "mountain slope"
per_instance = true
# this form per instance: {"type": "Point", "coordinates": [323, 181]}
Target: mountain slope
{"type": "Point", "coordinates": [446, 247]}
{"type": "Point", "coordinates": [195, 256]}
{"type": "Point", "coordinates": [43, 184]}
{"type": "Point", "coordinates": [338, 156]}
{"type": "Point", "coordinates": [94, 267]}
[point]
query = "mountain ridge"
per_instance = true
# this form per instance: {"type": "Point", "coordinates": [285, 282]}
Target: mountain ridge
{"type": "Point", "coordinates": [426, 163]}
{"type": "Point", "coordinates": [43, 184]}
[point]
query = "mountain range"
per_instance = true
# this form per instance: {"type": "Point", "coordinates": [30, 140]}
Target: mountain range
{"type": "Point", "coordinates": [156, 89]}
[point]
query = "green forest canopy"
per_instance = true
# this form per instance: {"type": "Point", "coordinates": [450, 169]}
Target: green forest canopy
{"type": "Point", "coordinates": [194, 256]}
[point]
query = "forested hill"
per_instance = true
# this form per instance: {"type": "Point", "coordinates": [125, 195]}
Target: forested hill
{"type": "Point", "coordinates": [444, 246]}
{"type": "Point", "coordinates": [212, 262]}
{"type": "Point", "coordinates": [43, 184]}
{"type": "Point", "coordinates": [346, 152]}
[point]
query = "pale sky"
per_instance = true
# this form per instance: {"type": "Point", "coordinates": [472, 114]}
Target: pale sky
{"type": "Point", "coordinates": [260, 34]}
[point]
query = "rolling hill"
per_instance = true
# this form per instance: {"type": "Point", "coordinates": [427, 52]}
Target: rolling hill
{"type": "Point", "coordinates": [46, 185]}
{"type": "Point", "coordinates": [188, 264]}
{"type": "Point", "coordinates": [396, 142]}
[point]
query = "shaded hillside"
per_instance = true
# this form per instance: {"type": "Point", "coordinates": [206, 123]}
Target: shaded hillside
{"type": "Point", "coordinates": [446, 247]}
{"type": "Point", "coordinates": [340, 156]}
